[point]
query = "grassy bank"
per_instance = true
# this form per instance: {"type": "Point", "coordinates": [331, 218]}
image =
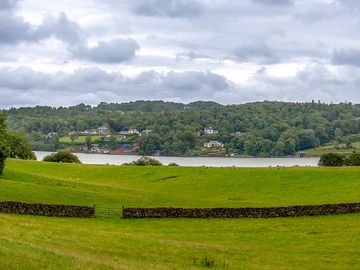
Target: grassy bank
{"type": "Point", "coordinates": [108, 242]}
{"type": "Point", "coordinates": [334, 148]}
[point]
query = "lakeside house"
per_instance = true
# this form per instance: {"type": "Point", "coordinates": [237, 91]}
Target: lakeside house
{"type": "Point", "coordinates": [129, 131]}
{"type": "Point", "coordinates": [213, 144]}
{"type": "Point", "coordinates": [208, 131]}
{"type": "Point", "coordinates": [51, 134]}
{"type": "Point", "coordinates": [102, 131]}
{"type": "Point", "coordinates": [95, 149]}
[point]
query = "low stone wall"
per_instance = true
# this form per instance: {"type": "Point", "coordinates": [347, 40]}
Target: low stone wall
{"type": "Point", "coordinates": [53, 210]}
{"type": "Point", "coordinates": [271, 212]}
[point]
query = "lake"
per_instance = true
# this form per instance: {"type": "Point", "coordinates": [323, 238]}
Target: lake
{"type": "Point", "coordinates": [195, 161]}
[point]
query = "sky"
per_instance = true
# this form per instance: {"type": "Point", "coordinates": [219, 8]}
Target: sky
{"type": "Point", "coordinates": [66, 52]}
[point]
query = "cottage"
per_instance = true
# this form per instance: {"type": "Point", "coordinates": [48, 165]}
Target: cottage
{"type": "Point", "coordinates": [95, 149]}
{"type": "Point", "coordinates": [133, 131]}
{"type": "Point", "coordinates": [210, 131]}
{"type": "Point", "coordinates": [214, 144]}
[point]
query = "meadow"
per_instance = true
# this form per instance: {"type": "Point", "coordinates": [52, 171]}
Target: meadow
{"type": "Point", "coordinates": [334, 148]}
{"type": "Point", "coordinates": [79, 139]}
{"type": "Point", "coordinates": [109, 242]}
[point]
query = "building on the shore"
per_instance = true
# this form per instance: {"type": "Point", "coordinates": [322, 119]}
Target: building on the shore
{"type": "Point", "coordinates": [213, 144]}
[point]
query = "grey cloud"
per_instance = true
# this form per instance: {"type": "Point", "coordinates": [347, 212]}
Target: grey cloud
{"type": "Point", "coordinates": [194, 80]}
{"type": "Point", "coordinates": [8, 4]}
{"type": "Point", "coordinates": [259, 52]}
{"type": "Point", "coordinates": [60, 27]}
{"type": "Point", "coordinates": [313, 82]}
{"type": "Point", "coordinates": [14, 30]}
{"type": "Point", "coordinates": [168, 8]}
{"type": "Point", "coordinates": [98, 85]}
{"type": "Point", "coordinates": [346, 57]}
{"type": "Point", "coordinates": [114, 51]}
{"type": "Point", "coordinates": [275, 2]}
{"type": "Point", "coordinates": [24, 86]}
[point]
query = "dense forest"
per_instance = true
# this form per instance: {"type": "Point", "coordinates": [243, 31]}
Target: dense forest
{"type": "Point", "coordinates": [253, 129]}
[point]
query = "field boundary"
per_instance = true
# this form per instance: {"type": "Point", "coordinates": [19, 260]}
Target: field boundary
{"type": "Point", "coordinates": [40, 209]}
{"type": "Point", "coordinates": [264, 212]}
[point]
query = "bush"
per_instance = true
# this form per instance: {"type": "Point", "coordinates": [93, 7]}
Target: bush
{"type": "Point", "coordinates": [353, 160]}
{"type": "Point", "coordinates": [62, 156]}
{"type": "Point", "coordinates": [145, 161]}
{"type": "Point", "coordinates": [331, 160]}
{"type": "Point", "coordinates": [173, 164]}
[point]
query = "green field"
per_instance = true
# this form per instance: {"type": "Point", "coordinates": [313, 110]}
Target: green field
{"type": "Point", "coordinates": [79, 139]}
{"type": "Point", "coordinates": [333, 148]}
{"type": "Point", "coordinates": [109, 242]}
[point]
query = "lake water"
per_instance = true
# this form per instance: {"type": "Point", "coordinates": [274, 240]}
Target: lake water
{"type": "Point", "coordinates": [195, 161]}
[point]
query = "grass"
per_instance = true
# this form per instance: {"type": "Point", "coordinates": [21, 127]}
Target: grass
{"type": "Point", "coordinates": [108, 242]}
{"type": "Point", "coordinates": [333, 148]}
{"type": "Point", "coordinates": [79, 139]}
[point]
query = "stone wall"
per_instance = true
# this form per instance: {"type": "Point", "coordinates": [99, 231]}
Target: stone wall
{"type": "Point", "coordinates": [53, 210]}
{"type": "Point", "coordinates": [271, 212]}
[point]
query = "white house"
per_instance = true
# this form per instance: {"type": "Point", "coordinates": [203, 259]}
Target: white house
{"type": "Point", "coordinates": [145, 132]}
{"type": "Point", "coordinates": [214, 144]}
{"type": "Point", "coordinates": [95, 149]}
{"type": "Point", "coordinates": [210, 131]}
{"type": "Point", "coordinates": [133, 131]}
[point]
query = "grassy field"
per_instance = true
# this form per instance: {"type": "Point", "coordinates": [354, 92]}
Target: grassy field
{"type": "Point", "coordinates": [332, 148]}
{"type": "Point", "coordinates": [79, 139]}
{"type": "Point", "coordinates": [109, 242]}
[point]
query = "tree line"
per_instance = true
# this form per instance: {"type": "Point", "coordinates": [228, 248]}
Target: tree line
{"type": "Point", "coordinates": [254, 129]}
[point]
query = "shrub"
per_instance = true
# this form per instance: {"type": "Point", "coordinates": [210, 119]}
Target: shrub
{"type": "Point", "coordinates": [353, 160]}
{"type": "Point", "coordinates": [62, 156]}
{"type": "Point", "coordinates": [145, 161]}
{"type": "Point", "coordinates": [173, 164]}
{"type": "Point", "coordinates": [331, 160]}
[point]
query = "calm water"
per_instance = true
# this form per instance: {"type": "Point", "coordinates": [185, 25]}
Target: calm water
{"type": "Point", "coordinates": [195, 161]}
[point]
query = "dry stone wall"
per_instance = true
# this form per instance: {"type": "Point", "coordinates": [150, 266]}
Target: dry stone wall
{"type": "Point", "coordinates": [271, 212]}
{"type": "Point", "coordinates": [53, 210]}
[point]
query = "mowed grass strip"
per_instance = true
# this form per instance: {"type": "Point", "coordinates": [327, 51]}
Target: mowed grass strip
{"type": "Point", "coordinates": [330, 242]}
{"type": "Point", "coordinates": [109, 242]}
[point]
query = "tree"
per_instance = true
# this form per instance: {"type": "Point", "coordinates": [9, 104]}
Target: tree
{"type": "Point", "coordinates": [353, 160]}
{"type": "Point", "coordinates": [307, 139]}
{"type": "Point", "coordinates": [88, 141]}
{"type": "Point", "coordinates": [19, 146]}
{"type": "Point", "coordinates": [113, 143]}
{"type": "Point", "coordinates": [149, 144]}
{"type": "Point", "coordinates": [3, 145]}
{"type": "Point", "coordinates": [338, 135]}
{"type": "Point", "coordinates": [331, 160]}
{"type": "Point", "coordinates": [73, 137]}
{"type": "Point", "coordinates": [62, 156]}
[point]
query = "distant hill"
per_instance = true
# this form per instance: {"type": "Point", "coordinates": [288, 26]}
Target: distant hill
{"type": "Point", "coordinates": [198, 128]}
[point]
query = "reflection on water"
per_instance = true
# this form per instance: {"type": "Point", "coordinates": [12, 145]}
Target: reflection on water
{"type": "Point", "coordinates": [195, 161]}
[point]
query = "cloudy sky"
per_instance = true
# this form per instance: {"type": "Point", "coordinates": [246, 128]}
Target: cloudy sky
{"type": "Point", "coordinates": [65, 52]}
